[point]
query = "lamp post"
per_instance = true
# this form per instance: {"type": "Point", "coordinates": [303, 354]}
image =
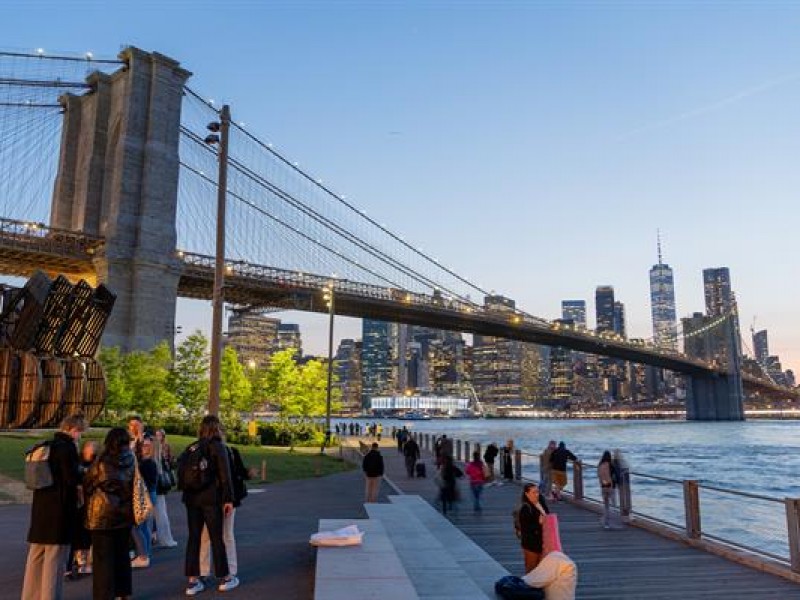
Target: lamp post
{"type": "Point", "coordinates": [329, 298]}
{"type": "Point", "coordinates": [219, 135]}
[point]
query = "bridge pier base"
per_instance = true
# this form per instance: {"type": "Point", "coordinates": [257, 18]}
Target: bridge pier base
{"type": "Point", "coordinates": [717, 397]}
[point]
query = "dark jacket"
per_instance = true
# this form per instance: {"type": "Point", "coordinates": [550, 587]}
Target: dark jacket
{"type": "Point", "coordinates": [491, 453]}
{"type": "Point", "coordinates": [530, 528]}
{"type": "Point", "coordinates": [221, 491]}
{"type": "Point", "coordinates": [109, 490]}
{"type": "Point", "coordinates": [239, 475]}
{"type": "Point", "coordinates": [55, 508]}
{"type": "Point", "coordinates": [149, 471]}
{"type": "Point", "coordinates": [372, 465]}
{"type": "Point", "coordinates": [560, 457]}
{"type": "Point", "coordinates": [411, 449]}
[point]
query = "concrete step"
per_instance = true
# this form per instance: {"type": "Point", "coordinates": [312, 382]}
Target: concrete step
{"type": "Point", "coordinates": [433, 570]}
{"type": "Point", "coordinates": [476, 563]}
{"type": "Point", "coordinates": [371, 571]}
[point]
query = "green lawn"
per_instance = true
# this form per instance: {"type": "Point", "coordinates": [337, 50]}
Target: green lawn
{"type": "Point", "coordinates": [281, 465]}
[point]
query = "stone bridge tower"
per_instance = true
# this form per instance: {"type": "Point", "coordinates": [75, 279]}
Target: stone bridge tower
{"type": "Point", "coordinates": [118, 178]}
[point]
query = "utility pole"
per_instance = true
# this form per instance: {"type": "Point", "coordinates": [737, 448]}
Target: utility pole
{"type": "Point", "coordinates": [330, 300]}
{"type": "Point", "coordinates": [218, 300]}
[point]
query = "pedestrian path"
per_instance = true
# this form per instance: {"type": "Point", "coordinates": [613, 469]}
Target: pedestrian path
{"type": "Point", "coordinates": [630, 563]}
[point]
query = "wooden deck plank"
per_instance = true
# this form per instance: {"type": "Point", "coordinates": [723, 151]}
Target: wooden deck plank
{"type": "Point", "coordinates": [630, 563]}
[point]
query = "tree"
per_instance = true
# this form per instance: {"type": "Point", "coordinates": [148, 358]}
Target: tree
{"type": "Point", "coordinates": [189, 377]}
{"type": "Point", "coordinates": [147, 376]}
{"type": "Point", "coordinates": [118, 396]}
{"type": "Point", "coordinates": [311, 395]}
{"type": "Point", "coordinates": [235, 392]}
{"type": "Point", "coordinates": [280, 380]}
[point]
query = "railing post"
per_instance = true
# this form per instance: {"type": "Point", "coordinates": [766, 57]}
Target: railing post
{"type": "Point", "coordinates": [793, 527]}
{"type": "Point", "coordinates": [518, 464]}
{"type": "Point", "coordinates": [458, 449]}
{"type": "Point", "coordinates": [691, 503]}
{"type": "Point", "coordinates": [478, 448]}
{"type": "Point", "coordinates": [577, 477]}
{"type": "Point", "coordinates": [625, 494]}
{"type": "Point", "coordinates": [467, 456]}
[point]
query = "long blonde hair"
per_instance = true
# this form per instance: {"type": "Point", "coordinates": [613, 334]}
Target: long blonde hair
{"type": "Point", "coordinates": [157, 455]}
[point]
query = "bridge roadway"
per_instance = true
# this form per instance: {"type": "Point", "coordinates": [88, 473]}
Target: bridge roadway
{"type": "Point", "coordinates": [26, 247]}
{"type": "Point", "coordinates": [619, 564]}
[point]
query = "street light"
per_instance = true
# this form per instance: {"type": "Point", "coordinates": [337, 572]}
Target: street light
{"type": "Point", "coordinates": [218, 300]}
{"type": "Point", "coordinates": [328, 296]}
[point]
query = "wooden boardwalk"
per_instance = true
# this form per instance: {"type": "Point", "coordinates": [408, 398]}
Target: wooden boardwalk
{"type": "Point", "coordinates": [629, 563]}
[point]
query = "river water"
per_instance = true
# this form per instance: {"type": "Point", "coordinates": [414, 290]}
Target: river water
{"type": "Point", "coordinates": [757, 457]}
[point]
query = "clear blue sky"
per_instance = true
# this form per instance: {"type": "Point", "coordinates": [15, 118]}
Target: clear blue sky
{"type": "Point", "coordinates": [535, 147]}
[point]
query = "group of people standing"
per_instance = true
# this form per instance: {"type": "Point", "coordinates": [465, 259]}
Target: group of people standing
{"type": "Point", "coordinates": [90, 508]}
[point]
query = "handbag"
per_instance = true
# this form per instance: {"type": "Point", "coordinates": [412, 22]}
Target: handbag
{"type": "Point", "coordinates": [142, 505]}
{"type": "Point", "coordinates": [511, 587]}
{"type": "Point", "coordinates": [551, 540]}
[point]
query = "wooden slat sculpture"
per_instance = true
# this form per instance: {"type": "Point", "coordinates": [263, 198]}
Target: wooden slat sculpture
{"type": "Point", "coordinates": [50, 331]}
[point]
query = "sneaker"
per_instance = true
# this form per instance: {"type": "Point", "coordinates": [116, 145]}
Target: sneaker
{"type": "Point", "coordinates": [85, 569]}
{"type": "Point", "coordinates": [195, 587]}
{"type": "Point", "coordinates": [228, 584]}
{"type": "Point", "coordinates": [167, 545]}
{"type": "Point", "coordinates": [140, 562]}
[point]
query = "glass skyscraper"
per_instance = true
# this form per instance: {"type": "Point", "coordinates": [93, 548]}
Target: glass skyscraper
{"type": "Point", "coordinates": [604, 307]}
{"type": "Point", "coordinates": [575, 311]}
{"type": "Point", "coordinates": [662, 305]}
{"type": "Point", "coordinates": [717, 289]}
{"type": "Point", "coordinates": [377, 360]}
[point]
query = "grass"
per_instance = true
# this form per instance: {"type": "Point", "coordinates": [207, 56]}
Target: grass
{"type": "Point", "coordinates": [281, 465]}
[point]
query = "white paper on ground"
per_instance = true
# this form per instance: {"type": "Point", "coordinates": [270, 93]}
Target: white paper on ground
{"type": "Point", "coordinates": [346, 536]}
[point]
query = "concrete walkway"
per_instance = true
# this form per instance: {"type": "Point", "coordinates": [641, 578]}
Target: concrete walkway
{"type": "Point", "coordinates": [272, 530]}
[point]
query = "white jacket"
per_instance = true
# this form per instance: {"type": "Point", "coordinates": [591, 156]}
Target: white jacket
{"type": "Point", "coordinates": [557, 575]}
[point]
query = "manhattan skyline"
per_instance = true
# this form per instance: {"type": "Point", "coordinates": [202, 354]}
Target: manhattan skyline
{"type": "Point", "coordinates": [534, 149]}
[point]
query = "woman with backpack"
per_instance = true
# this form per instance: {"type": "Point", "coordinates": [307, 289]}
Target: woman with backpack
{"type": "Point", "coordinates": [239, 475]}
{"type": "Point", "coordinates": [606, 481]}
{"type": "Point", "coordinates": [204, 475]}
{"type": "Point", "coordinates": [108, 485]}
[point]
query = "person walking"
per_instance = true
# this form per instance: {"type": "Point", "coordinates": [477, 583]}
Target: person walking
{"type": "Point", "coordinates": [204, 474]}
{"type": "Point", "coordinates": [372, 465]}
{"type": "Point", "coordinates": [489, 455]}
{"type": "Point", "coordinates": [109, 516]}
{"type": "Point", "coordinates": [530, 513]}
{"type": "Point", "coordinates": [558, 463]}
{"type": "Point", "coordinates": [239, 475]}
{"type": "Point", "coordinates": [54, 513]}
{"type": "Point", "coordinates": [165, 483]}
{"type": "Point", "coordinates": [606, 486]}
{"type": "Point", "coordinates": [448, 492]}
{"type": "Point", "coordinates": [411, 454]}
{"type": "Point", "coordinates": [477, 479]}
{"type": "Point", "coordinates": [507, 461]}
{"type": "Point", "coordinates": [546, 470]}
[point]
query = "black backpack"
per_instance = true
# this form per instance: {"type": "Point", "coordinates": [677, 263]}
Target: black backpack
{"type": "Point", "coordinates": [194, 468]}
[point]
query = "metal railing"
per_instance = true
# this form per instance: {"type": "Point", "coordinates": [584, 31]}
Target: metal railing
{"type": "Point", "coordinates": [756, 524]}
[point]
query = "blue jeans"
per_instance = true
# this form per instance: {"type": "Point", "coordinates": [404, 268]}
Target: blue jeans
{"type": "Point", "coordinates": [142, 534]}
{"type": "Point", "coordinates": [476, 496]}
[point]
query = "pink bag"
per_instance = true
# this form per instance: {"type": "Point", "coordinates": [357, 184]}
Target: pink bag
{"type": "Point", "coordinates": [551, 540]}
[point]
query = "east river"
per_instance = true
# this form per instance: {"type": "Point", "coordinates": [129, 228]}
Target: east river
{"type": "Point", "coordinates": [757, 457]}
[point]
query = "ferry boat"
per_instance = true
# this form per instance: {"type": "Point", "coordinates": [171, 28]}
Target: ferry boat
{"type": "Point", "coordinates": [414, 415]}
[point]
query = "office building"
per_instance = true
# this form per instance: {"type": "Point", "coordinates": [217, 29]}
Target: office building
{"type": "Point", "coordinates": [761, 346]}
{"type": "Point", "coordinates": [662, 305]}
{"type": "Point", "coordinates": [378, 370]}
{"type": "Point", "coordinates": [619, 319]}
{"type": "Point", "coordinates": [289, 337]}
{"type": "Point", "coordinates": [347, 369]}
{"type": "Point", "coordinates": [717, 291]}
{"type": "Point", "coordinates": [575, 311]}
{"type": "Point", "coordinates": [604, 308]}
{"type": "Point", "coordinates": [253, 335]}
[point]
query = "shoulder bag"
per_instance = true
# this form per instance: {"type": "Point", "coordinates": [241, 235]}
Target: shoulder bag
{"type": "Point", "coordinates": [142, 505]}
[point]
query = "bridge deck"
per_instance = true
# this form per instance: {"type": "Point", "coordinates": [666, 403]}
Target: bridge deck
{"type": "Point", "coordinates": [630, 563]}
